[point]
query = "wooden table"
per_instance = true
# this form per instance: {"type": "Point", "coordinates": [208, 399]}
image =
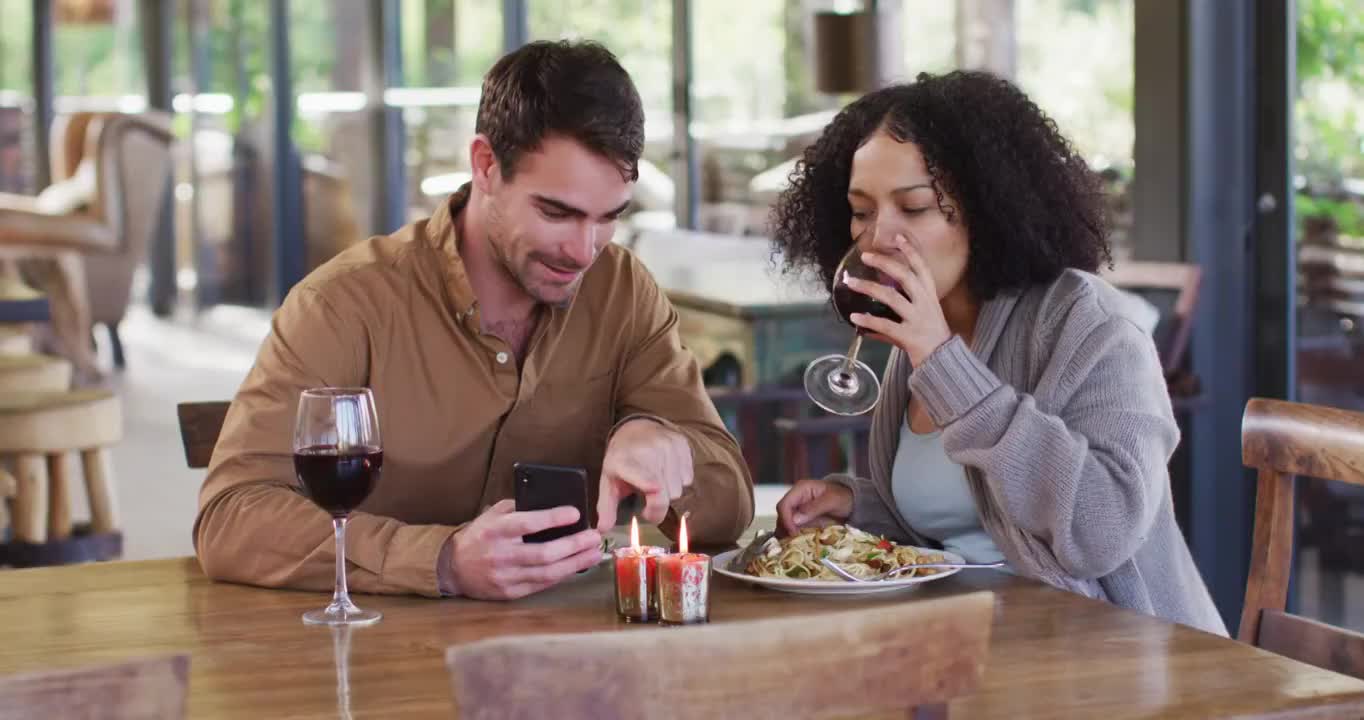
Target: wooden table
{"type": "Point", "coordinates": [1052, 654]}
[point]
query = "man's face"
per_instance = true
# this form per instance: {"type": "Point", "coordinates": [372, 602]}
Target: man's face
{"type": "Point", "coordinates": [550, 221]}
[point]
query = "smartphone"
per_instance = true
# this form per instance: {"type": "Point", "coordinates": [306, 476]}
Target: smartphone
{"type": "Point", "coordinates": [541, 487]}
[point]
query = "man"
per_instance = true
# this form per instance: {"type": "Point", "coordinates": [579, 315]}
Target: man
{"type": "Point", "coordinates": [506, 328]}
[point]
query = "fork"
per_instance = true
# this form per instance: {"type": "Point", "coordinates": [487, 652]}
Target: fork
{"type": "Point", "coordinates": [839, 571]}
{"type": "Point", "coordinates": [743, 557]}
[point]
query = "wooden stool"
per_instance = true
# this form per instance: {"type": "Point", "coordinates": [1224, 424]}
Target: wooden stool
{"type": "Point", "coordinates": [15, 340]}
{"type": "Point", "coordinates": [41, 432]}
{"type": "Point", "coordinates": [32, 372]}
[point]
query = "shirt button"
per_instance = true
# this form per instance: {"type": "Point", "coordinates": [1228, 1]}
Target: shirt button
{"type": "Point", "coordinates": [502, 358]}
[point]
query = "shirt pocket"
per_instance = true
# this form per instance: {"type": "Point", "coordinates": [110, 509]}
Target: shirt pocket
{"type": "Point", "coordinates": [570, 419]}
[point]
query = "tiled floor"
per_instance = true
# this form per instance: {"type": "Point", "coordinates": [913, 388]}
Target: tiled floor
{"type": "Point", "coordinates": [171, 362]}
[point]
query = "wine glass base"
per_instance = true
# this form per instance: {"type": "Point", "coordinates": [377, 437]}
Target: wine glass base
{"type": "Point", "coordinates": [854, 393]}
{"type": "Point", "coordinates": [338, 614]}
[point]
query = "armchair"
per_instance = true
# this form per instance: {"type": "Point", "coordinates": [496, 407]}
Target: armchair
{"type": "Point", "coordinates": [91, 228]}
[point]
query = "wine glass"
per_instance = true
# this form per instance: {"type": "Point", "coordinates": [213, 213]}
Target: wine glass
{"type": "Point", "coordinates": [338, 458]}
{"type": "Point", "coordinates": [842, 384]}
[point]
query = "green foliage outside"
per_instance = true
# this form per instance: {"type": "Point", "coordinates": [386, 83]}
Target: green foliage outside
{"type": "Point", "coordinates": [749, 63]}
{"type": "Point", "coordinates": [1329, 111]}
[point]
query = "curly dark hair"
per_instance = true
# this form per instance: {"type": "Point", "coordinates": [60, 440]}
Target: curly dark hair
{"type": "Point", "coordinates": [1031, 205]}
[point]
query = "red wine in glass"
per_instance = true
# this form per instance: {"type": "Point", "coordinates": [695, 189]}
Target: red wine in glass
{"type": "Point", "coordinates": [338, 458]}
{"type": "Point", "coordinates": [840, 383]}
{"type": "Point", "coordinates": [338, 479]}
{"type": "Point", "coordinates": [848, 301]}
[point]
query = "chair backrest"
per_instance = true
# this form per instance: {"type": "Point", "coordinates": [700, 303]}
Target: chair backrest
{"type": "Point", "coordinates": [200, 424]}
{"type": "Point", "coordinates": [908, 656]}
{"type": "Point", "coordinates": [804, 437]}
{"type": "Point", "coordinates": [70, 140]}
{"type": "Point", "coordinates": [1281, 440]}
{"type": "Point", "coordinates": [1173, 289]}
{"type": "Point", "coordinates": [147, 689]}
{"type": "Point", "coordinates": [134, 175]}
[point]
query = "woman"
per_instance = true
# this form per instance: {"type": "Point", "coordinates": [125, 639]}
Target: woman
{"type": "Point", "coordinates": [1023, 418]}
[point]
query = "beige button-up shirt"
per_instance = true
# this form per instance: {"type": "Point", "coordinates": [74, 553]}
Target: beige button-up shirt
{"type": "Point", "coordinates": [397, 314]}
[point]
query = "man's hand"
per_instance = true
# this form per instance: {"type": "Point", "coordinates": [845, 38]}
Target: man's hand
{"type": "Point", "coordinates": [647, 458]}
{"type": "Point", "coordinates": [490, 561]}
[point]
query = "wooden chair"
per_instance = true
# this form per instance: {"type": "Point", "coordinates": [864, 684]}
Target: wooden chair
{"type": "Point", "coordinates": [1330, 514]}
{"type": "Point", "coordinates": [200, 424]}
{"type": "Point", "coordinates": [41, 434]}
{"type": "Point", "coordinates": [147, 689]}
{"type": "Point", "coordinates": [753, 410]}
{"type": "Point", "coordinates": [914, 656]}
{"type": "Point", "coordinates": [813, 448]}
{"type": "Point", "coordinates": [1281, 440]}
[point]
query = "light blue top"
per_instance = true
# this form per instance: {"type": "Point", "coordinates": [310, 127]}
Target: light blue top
{"type": "Point", "coordinates": [931, 493]}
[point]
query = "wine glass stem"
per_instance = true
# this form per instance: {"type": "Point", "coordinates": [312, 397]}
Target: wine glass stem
{"type": "Point", "coordinates": [851, 359]}
{"type": "Point", "coordinates": [341, 596]}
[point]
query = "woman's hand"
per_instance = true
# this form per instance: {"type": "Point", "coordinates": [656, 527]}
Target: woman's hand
{"type": "Point", "coordinates": [922, 327]}
{"type": "Point", "coordinates": [813, 503]}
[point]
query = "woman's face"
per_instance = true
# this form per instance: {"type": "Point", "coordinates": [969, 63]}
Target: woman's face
{"type": "Point", "coordinates": [890, 192]}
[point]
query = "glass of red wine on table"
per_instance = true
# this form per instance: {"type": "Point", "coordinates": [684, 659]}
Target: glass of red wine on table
{"type": "Point", "coordinates": [338, 457]}
{"type": "Point", "coordinates": [842, 384]}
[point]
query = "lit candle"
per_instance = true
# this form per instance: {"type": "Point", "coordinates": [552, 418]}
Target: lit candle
{"type": "Point", "coordinates": [684, 584]}
{"type": "Point", "coordinates": [637, 579]}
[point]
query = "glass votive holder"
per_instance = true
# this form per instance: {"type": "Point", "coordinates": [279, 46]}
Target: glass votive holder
{"type": "Point", "coordinates": [684, 588]}
{"type": "Point", "coordinates": [637, 582]}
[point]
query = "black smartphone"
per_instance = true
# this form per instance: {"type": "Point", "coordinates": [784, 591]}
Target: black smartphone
{"type": "Point", "coordinates": [541, 487]}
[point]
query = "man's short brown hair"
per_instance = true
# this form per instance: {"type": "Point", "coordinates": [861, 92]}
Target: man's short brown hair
{"type": "Point", "coordinates": [574, 89]}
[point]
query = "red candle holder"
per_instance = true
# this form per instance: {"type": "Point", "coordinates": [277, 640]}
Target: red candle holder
{"type": "Point", "coordinates": [684, 588]}
{"type": "Point", "coordinates": [637, 583]}
{"type": "Point", "coordinates": [684, 583]}
{"type": "Point", "coordinates": [637, 578]}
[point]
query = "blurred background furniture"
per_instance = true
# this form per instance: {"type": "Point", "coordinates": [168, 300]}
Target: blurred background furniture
{"type": "Point", "coordinates": [753, 330]}
{"type": "Point", "coordinates": [84, 235]}
{"type": "Point", "coordinates": [154, 687]}
{"type": "Point", "coordinates": [1281, 440]}
{"type": "Point", "coordinates": [42, 436]}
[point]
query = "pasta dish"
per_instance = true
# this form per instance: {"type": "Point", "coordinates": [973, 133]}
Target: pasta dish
{"type": "Point", "coordinates": [860, 553]}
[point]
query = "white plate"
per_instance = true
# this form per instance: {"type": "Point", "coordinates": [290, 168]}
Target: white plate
{"type": "Point", "coordinates": [834, 587]}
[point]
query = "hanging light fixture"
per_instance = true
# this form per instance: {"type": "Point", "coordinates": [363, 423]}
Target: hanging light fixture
{"type": "Point", "coordinates": [845, 49]}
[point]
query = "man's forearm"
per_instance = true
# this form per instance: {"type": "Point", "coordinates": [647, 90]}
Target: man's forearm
{"type": "Point", "coordinates": [267, 534]}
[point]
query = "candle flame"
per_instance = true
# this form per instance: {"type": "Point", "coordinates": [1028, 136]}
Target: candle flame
{"type": "Point", "coordinates": [634, 533]}
{"type": "Point", "coordinates": [682, 535]}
